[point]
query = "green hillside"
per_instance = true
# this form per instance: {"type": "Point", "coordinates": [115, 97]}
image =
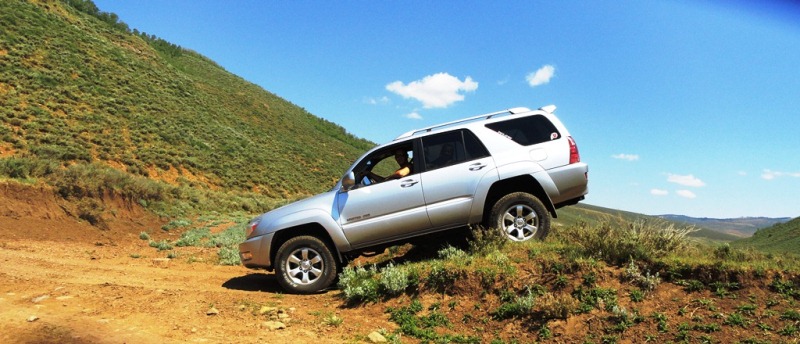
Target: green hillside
{"type": "Point", "coordinates": [84, 97]}
{"type": "Point", "coordinates": [780, 238]}
{"type": "Point", "coordinates": [741, 227]}
{"type": "Point", "coordinates": [592, 214]}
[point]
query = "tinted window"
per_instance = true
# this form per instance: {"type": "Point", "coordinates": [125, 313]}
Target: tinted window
{"type": "Point", "coordinates": [527, 130]}
{"type": "Point", "coordinates": [475, 149]}
{"type": "Point", "coordinates": [451, 148]}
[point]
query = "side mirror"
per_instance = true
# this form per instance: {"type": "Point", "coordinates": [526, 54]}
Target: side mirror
{"type": "Point", "coordinates": [348, 181]}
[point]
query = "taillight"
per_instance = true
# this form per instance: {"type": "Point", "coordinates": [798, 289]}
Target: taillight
{"type": "Point", "coordinates": [574, 156]}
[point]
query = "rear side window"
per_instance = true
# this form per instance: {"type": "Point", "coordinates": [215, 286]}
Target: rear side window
{"type": "Point", "coordinates": [451, 148]}
{"type": "Point", "coordinates": [527, 131]}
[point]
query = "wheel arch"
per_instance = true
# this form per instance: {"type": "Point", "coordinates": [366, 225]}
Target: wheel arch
{"type": "Point", "coordinates": [524, 183]}
{"type": "Point", "coordinates": [312, 229]}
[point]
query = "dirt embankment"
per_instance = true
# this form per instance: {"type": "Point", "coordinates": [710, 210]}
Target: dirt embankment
{"type": "Point", "coordinates": [63, 280]}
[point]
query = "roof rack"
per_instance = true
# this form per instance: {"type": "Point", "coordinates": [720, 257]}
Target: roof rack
{"type": "Point", "coordinates": [479, 117]}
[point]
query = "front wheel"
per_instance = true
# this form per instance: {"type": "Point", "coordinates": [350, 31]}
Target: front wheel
{"type": "Point", "coordinates": [305, 265]}
{"type": "Point", "coordinates": [521, 216]}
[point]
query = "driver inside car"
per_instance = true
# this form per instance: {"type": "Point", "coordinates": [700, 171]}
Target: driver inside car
{"type": "Point", "coordinates": [401, 156]}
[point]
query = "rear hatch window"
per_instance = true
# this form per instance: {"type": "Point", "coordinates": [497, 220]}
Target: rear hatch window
{"type": "Point", "coordinates": [527, 131]}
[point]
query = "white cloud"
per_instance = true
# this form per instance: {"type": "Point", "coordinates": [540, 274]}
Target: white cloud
{"type": "Point", "coordinates": [687, 180]}
{"type": "Point", "coordinates": [434, 91]}
{"type": "Point", "coordinates": [629, 157]}
{"type": "Point", "coordinates": [659, 192]}
{"type": "Point", "coordinates": [742, 173]}
{"type": "Point", "coordinates": [377, 101]}
{"type": "Point", "coordinates": [414, 115]}
{"type": "Point", "coordinates": [686, 193]}
{"type": "Point", "coordinates": [770, 175]}
{"type": "Point", "coordinates": [541, 76]}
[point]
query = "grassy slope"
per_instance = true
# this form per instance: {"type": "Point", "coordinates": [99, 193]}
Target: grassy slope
{"type": "Point", "coordinates": [780, 238]}
{"type": "Point", "coordinates": [742, 227]}
{"type": "Point", "coordinates": [592, 214]}
{"type": "Point", "coordinates": [75, 90]}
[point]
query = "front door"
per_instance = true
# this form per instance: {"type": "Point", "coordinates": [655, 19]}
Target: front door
{"type": "Point", "coordinates": [385, 204]}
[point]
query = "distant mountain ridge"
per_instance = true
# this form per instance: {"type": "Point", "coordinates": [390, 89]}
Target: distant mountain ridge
{"type": "Point", "coordinates": [742, 227]}
{"type": "Point", "coordinates": [584, 212]}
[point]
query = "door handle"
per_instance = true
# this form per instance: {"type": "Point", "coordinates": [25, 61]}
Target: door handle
{"type": "Point", "coordinates": [476, 167]}
{"type": "Point", "coordinates": [408, 183]}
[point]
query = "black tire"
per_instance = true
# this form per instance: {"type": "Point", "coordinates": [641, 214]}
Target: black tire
{"type": "Point", "coordinates": [520, 216]}
{"type": "Point", "coordinates": [305, 265]}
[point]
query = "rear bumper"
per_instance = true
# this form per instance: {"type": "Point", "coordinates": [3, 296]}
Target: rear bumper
{"type": "Point", "coordinates": [255, 252]}
{"type": "Point", "coordinates": [572, 182]}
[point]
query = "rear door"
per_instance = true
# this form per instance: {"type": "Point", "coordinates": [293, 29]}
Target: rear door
{"type": "Point", "coordinates": [451, 179]}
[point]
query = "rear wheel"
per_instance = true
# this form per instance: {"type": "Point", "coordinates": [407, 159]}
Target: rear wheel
{"type": "Point", "coordinates": [520, 216]}
{"type": "Point", "coordinates": [305, 265]}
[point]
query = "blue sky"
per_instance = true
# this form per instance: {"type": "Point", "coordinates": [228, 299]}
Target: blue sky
{"type": "Point", "coordinates": [678, 107]}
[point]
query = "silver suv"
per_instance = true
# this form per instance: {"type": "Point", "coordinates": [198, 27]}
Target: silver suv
{"type": "Point", "coordinates": [508, 170]}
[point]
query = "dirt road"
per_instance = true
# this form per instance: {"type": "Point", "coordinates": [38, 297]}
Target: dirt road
{"type": "Point", "coordinates": [65, 281]}
{"type": "Point", "coordinates": [72, 292]}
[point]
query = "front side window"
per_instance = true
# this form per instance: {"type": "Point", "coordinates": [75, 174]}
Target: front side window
{"type": "Point", "coordinates": [527, 131]}
{"type": "Point", "coordinates": [389, 163]}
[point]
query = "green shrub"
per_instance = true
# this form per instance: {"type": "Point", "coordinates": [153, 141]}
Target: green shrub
{"type": "Point", "coordinates": [519, 306]}
{"type": "Point", "coordinates": [556, 306]}
{"type": "Point", "coordinates": [163, 245]}
{"type": "Point", "coordinates": [176, 224]}
{"type": "Point", "coordinates": [647, 281]}
{"type": "Point", "coordinates": [230, 237]}
{"type": "Point", "coordinates": [619, 240]}
{"type": "Point", "coordinates": [229, 256]}
{"type": "Point", "coordinates": [358, 284]}
{"type": "Point", "coordinates": [193, 237]}
{"type": "Point", "coordinates": [394, 280]}
{"type": "Point", "coordinates": [442, 277]}
{"type": "Point", "coordinates": [484, 241]}
{"type": "Point", "coordinates": [792, 315]}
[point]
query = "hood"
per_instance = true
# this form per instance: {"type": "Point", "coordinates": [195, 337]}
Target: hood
{"type": "Point", "coordinates": [323, 202]}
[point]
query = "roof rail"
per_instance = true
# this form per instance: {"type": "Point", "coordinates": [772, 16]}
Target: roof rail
{"type": "Point", "coordinates": [479, 117]}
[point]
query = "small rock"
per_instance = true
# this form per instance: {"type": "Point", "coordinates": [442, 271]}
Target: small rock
{"type": "Point", "coordinates": [161, 262]}
{"type": "Point", "coordinates": [40, 298]}
{"type": "Point", "coordinates": [32, 318]}
{"type": "Point", "coordinates": [212, 311]}
{"type": "Point", "coordinates": [273, 325]}
{"type": "Point", "coordinates": [283, 316]}
{"type": "Point", "coordinates": [267, 310]}
{"type": "Point", "coordinates": [376, 337]}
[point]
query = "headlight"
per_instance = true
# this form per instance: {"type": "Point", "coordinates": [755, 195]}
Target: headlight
{"type": "Point", "coordinates": [251, 228]}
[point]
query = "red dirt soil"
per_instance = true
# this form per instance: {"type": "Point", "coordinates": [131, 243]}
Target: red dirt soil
{"type": "Point", "coordinates": [63, 280]}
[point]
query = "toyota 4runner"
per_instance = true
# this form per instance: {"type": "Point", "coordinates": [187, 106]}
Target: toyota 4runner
{"type": "Point", "coordinates": [508, 171]}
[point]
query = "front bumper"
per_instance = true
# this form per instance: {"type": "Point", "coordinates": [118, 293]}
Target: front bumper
{"type": "Point", "coordinates": [255, 252]}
